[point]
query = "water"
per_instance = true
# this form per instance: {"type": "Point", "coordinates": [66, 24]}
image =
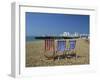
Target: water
{"type": "Point", "coordinates": [30, 38]}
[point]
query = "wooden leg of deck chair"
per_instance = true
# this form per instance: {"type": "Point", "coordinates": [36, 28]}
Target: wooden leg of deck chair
{"type": "Point", "coordinates": [75, 54]}
{"type": "Point", "coordinates": [54, 56]}
{"type": "Point", "coordinates": [64, 54]}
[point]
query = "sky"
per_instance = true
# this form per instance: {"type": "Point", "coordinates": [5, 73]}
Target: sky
{"type": "Point", "coordinates": [38, 24]}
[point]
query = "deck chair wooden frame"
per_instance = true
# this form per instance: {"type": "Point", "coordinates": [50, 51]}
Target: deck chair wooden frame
{"type": "Point", "coordinates": [71, 50]}
{"type": "Point", "coordinates": [61, 45]}
{"type": "Point", "coordinates": [49, 45]}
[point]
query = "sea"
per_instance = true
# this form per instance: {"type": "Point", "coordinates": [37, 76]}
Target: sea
{"type": "Point", "coordinates": [31, 38]}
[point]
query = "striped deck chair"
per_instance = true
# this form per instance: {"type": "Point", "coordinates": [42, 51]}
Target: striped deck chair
{"type": "Point", "coordinates": [72, 45]}
{"type": "Point", "coordinates": [67, 47]}
{"type": "Point", "coordinates": [49, 47]}
{"type": "Point", "coordinates": [61, 45]}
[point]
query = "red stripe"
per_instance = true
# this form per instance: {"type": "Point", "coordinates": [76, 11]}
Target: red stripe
{"type": "Point", "coordinates": [49, 44]}
{"type": "Point", "coordinates": [45, 44]}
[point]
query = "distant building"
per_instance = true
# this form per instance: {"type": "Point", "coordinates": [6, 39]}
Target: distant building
{"type": "Point", "coordinates": [84, 36]}
{"type": "Point", "coordinates": [66, 34]}
{"type": "Point", "coordinates": [76, 34]}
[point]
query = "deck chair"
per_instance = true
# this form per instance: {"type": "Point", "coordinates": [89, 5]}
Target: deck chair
{"type": "Point", "coordinates": [61, 45]}
{"type": "Point", "coordinates": [67, 47]}
{"type": "Point", "coordinates": [49, 45]}
{"type": "Point", "coordinates": [71, 49]}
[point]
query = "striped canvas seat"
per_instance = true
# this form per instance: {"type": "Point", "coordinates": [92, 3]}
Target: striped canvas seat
{"type": "Point", "coordinates": [49, 45]}
{"type": "Point", "coordinates": [71, 49]}
{"type": "Point", "coordinates": [61, 45]}
{"type": "Point", "coordinates": [49, 49]}
{"type": "Point", "coordinates": [67, 46]}
{"type": "Point", "coordinates": [72, 44]}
